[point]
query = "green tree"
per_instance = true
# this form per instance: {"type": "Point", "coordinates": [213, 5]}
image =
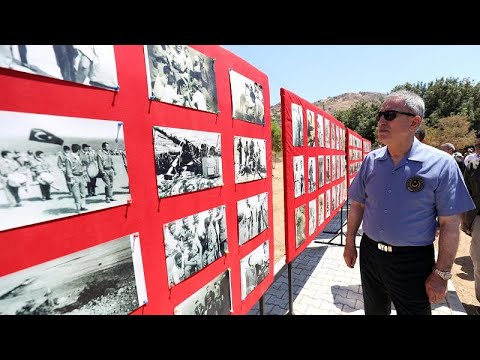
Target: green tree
{"type": "Point", "coordinates": [452, 129]}
{"type": "Point", "coordinates": [361, 118]}
{"type": "Point", "coordinates": [276, 137]}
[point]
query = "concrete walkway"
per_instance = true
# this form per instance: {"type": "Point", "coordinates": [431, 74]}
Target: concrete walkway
{"type": "Point", "coordinates": [323, 285]}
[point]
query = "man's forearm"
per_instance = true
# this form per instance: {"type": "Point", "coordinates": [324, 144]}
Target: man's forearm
{"type": "Point", "coordinates": [355, 217]}
{"type": "Point", "coordinates": [448, 242]}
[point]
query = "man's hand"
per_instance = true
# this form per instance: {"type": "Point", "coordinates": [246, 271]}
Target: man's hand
{"type": "Point", "coordinates": [350, 255]}
{"type": "Point", "coordinates": [436, 288]}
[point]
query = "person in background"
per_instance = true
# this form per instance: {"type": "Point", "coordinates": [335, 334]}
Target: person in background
{"type": "Point", "coordinates": [398, 193]}
{"type": "Point", "coordinates": [420, 133]}
{"type": "Point", "coordinates": [473, 155]}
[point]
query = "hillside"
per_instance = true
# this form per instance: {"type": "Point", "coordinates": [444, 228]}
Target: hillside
{"type": "Point", "coordinates": [339, 102]}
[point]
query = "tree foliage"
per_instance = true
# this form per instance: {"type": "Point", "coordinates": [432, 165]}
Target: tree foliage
{"type": "Point", "coordinates": [276, 137]}
{"type": "Point", "coordinates": [452, 129]}
{"type": "Point", "coordinates": [361, 118]}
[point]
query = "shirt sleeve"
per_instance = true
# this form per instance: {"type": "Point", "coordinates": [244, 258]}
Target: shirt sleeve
{"type": "Point", "coordinates": [356, 191]}
{"type": "Point", "coordinates": [451, 195]}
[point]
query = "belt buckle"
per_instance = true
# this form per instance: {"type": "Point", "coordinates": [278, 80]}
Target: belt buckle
{"type": "Point", "coordinates": [384, 247]}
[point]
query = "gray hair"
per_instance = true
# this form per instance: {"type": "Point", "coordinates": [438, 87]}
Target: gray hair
{"type": "Point", "coordinates": [413, 101]}
{"type": "Point", "coordinates": [448, 146]}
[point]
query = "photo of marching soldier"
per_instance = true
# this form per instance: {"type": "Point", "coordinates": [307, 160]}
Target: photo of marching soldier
{"type": "Point", "coordinates": [180, 75]}
{"type": "Point", "coordinates": [212, 299]}
{"type": "Point", "coordinates": [297, 125]}
{"type": "Point", "coordinates": [250, 159]}
{"type": "Point", "coordinates": [92, 65]}
{"type": "Point", "coordinates": [186, 160]}
{"type": "Point", "coordinates": [254, 268]}
{"type": "Point", "coordinates": [300, 225]}
{"type": "Point", "coordinates": [298, 176]}
{"type": "Point", "coordinates": [106, 279]}
{"type": "Point", "coordinates": [194, 242]}
{"type": "Point", "coordinates": [247, 99]}
{"type": "Point", "coordinates": [252, 216]}
{"type": "Point", "coordinates": [55, 166]}
{"type": "Point", "coordinates": [320, 130]}
{"type": "Point", "coordinates": [312, 216]}
{"type": "Point", "coordinates": [321, 209]}
{"type": "Point", "coordinates": [312, 180]}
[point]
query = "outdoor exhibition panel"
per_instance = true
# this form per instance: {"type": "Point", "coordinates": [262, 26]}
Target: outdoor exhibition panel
{"type": "Point", "coordinates": [314, 170]}
{"type": "Point", "coordinates": [354, 154]}
{"type": "Point", "coordinates": [367, 147]}
{"type": "Point", "coordinates": [133, 180]}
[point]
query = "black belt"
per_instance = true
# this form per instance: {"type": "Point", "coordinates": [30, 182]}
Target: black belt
{"type": "Point", "coordinates": [394, 249]}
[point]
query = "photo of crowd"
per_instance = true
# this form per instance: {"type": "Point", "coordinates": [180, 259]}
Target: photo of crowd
{"type": "Point", "coordinates": [212, 299]}
{"type": "Point", "coordinates": [247, 99]}
{"type": "Point", "coordinates": [54, 166]}
{"type": "Point", "coordinates": [252, 216]}
{"type": "Point", "coordinates": [254, 268]}
{"type": "Point", "coordinates": [180, 75]}
{"type": "Point", "coordinates": [250, 159]}
{"type": "Point", "coordinates": [186, 160]}
{"type": "Point", "coordinates": [194, 242]}
{"type": "Point", "coordinates": [92, 65]}
{"type": "Point", "coordinates": [297, 125]}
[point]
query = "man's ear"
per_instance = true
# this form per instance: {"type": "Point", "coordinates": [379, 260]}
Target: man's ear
{"type": "Point", "coordinates": [416, 121]}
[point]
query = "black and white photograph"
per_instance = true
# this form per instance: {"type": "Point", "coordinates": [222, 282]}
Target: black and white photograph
{"type": "Point", "coordinates": [327, 204]}
{"type": "Point", "coordinates": [212, 299]}
{"type": "Point", "coordinates": [56, 166]}
{"type": "Point", "coordinates": [180, 75]}
{"type": "Point", "coordinates": [327, 170]}
{"type": "Point", "coordinates": [312, 180]}
{"type": "Point", "coordinates": [250, 159]}
{"type": "Point", "coordinates": [186, 160]}
{"type": "Point", "coordinates": [312, 216]}
{"type": "Point", "coordinates": [327, 133]}
{"type": "Point", "coordinates": [310, 128]}
{"type": "Point", "coordinates": [194, 242]}
{"type": "Point", "coordinates": [106, 279]}
{"type": "Point", "coordinates": [298, 176]}
{"type": "Point", "coordinates": [321, 209]}
{"type": "Point", "coordinates": [300, 225]}
{"type": "Point", "coordinates": [334, 167]}
{"type": "Point", "coordinates": [320, 171]}
{"type": "Point", "coordinates": [92, 65]}
{"type": "Point", "coordinates": [297, 125]}
{"type": "Point", "coordinates": [252, 215]}
{"type": "Point", "coordinates": [254, 268]}
{"type": "Point", "coordinates": [320, 130]}
{"type": "Point", "coordinates": [247, 99]}
{"type": "Point", "coordinates": [333, 144]}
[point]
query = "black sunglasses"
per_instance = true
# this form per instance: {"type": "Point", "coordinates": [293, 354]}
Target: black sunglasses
{"type": "Point", "coordinates": [390, 115]}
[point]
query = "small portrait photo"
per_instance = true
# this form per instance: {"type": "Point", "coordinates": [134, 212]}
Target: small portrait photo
{"type": "Point", "coordinates": [247, 99]}
{"type": "Point", "coordinates": [321, 142]}
{"type": "Point", "coordinates": [194, 242]}
{"type": "Point", "coordinates": [250, 159]}
{"type": "Point", "coordinates": [312, 216]}
{"type": "Point", "coordinates": [186, 160]}
{"type": "Point", "coordinates": [180, 75]}
{"type": "Point", "coordinates": [327, 133]}
{"type": "Point", "coordinates": [321, 209]}
{"type": "Point", "coordinates": [298, 176]}
{"type": "Point", "coordinates": [212, 299]}
{"type": "Point", "coordinates": [311, 128]}
{"type": "Point", "coordinates": [334, 167]}
{"type": "Point", "coordinates": [327, 170]}
{"type": "Point", "coordinates": [106, 279]}
{"type": "Point", "coordinates": [321, 170]}
{"type": "Point", "coordinates": [254, 268]}
{"type": "Point", "coordinates": [300, 225]}
{"type": "Point", "coordinates": [333, 134]}
{"type": "Point", "coordinates": [297, 125]}
{"type": "Point", "coordinates": [312, 171]}
{"type": "Point", "coordinates": [57, 166]}
{"type": "Point", "coordinates": [92, 65]}
{"type": "Point", "coordinates": [252, 216]}
{"type": "Point", "coordinates": [327, 204]}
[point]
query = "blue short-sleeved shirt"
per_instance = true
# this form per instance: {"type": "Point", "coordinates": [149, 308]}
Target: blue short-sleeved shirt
{"type": "Point", "coordinates": [403, 201]}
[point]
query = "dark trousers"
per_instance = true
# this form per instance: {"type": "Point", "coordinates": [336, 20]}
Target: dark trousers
{"type": "Point", "coordinates": [14, 191]}
{"type": "Point", "coordinates": [397, 277]}
{"type": "Point", "coordinates": [91, 186]}
{"type": "Point", "coordinates": [45, 189]}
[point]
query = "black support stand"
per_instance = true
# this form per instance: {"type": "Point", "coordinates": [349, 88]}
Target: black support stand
{"type": "Point", "coordinates": [290, 294]}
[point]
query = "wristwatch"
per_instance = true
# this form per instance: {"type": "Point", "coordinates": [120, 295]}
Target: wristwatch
{"type": "Point", "coordinates": [445, 275]}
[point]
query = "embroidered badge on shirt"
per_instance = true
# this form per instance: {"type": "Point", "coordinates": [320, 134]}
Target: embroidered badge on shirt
{"type": "Point", "coordinates": [415, 184]}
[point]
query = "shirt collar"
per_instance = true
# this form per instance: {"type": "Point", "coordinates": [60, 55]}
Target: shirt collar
{"type": "Point", "coordinates": [416, 152]}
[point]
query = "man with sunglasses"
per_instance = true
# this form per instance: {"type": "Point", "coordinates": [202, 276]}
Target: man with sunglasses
{"type": "Point", "coordinates": [399, 191]}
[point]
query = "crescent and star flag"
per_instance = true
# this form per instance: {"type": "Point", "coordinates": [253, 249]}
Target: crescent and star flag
{"type": "Point", "coordinates": [44, 136]}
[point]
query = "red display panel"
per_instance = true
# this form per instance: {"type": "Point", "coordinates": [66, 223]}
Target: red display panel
{"type": "Point", "coordinates": [367, 147]}
{"type": "Point", "coordinates": [354, 154]}
{"type": "Point", "coordinates": [147, 214]}
{"type": "Point", "coordinates": [314, 170]}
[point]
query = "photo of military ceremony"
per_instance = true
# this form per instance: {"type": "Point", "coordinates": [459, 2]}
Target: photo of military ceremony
{"type": "Point", "coordinates": [53, 167]}
{"type": "Point", "coordinates": [186, 160]}
{"type": "Point", "coordinates": [181, 76]}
